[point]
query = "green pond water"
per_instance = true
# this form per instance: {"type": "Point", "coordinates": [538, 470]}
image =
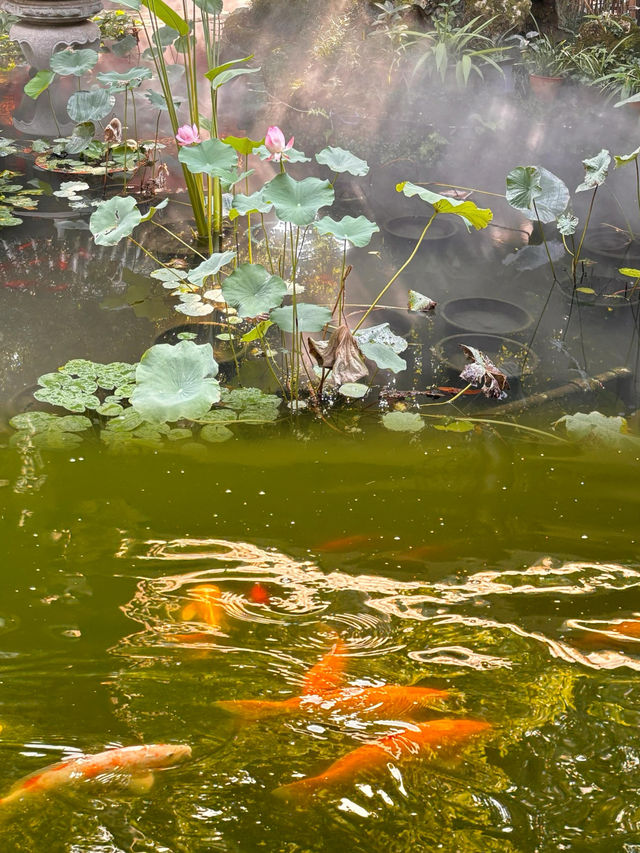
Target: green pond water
{"type": "Point", "coordinates": [425, 553]}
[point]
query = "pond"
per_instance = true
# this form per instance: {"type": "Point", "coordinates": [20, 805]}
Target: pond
{"type": "Point", "coordinates": [394, 611]}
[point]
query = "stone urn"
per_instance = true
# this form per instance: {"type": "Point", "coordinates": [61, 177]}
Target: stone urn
{"type": "Point", "coordinates": [44, 27]}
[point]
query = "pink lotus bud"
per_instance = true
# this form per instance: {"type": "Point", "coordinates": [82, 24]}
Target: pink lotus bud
{"type": "Point", "coordinates": [188, 135]}
{"type": "Point", "coordinates": [274, 143]}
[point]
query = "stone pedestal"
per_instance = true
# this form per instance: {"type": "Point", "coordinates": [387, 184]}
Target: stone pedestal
{"type": "Point", "coordinates": [47, 26]}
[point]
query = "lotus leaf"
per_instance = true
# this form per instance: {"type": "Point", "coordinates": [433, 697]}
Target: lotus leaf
{"type": "Point", "coordinates": [596, 428]}
{"type": "Point", "coordinates": [253, 290]}
{"type": "Point", "coordinates": [297, 201]}
{"type": "Point", "coordinates": [420, 303]}
{"type": "Point", "coordinates": [251, 404]}
{"type": "Point", "coordinates": [381, 334]}
{"type": "Point", "coordinates": [215, 433]}
{"type": "Point", "coordinates": [532, 185]}
{"type": "Point", "coordinates": [567, 224]}
{"type": "Point", "coordinates": [310, 318]}
{"type": "Point", "coordinates": [176, 381]}
{"type": "Point", "coordinates": [258, 331]}
{"type": "Point", "coordinates": [341, 160]}
{"type": "Point", "coordinates": [383, 355]}
{"type": "Point", "coordinates": [210, 267]}
{"type": "Point", "coordinates": [357, 230]}
{"type": "Point", "coordinates": [243, 204]}
{"type": "Point", "coordinates": [38, 83]}
{"type": "Point", "coordinates": [242, 144]}
{"type": "Point", "coordinates": [76, 62]}
{"type": "Point", "coordinates": [478, 217]}
{"type": "Point", "coordinates": [596, 170]}
{"type": "Point", "coordinates": [127, 80]}
{"type": "Point", "coordinates": [211, 157]}
{"type": "Point", "coordinates": [355, 390]}
{"type": "Point", "coordinates": [91, 105]}
{"type": "Point", "coordinates": [157, 100]}
{"type": "Point", "coordinates": [623, 159]}
{"type": "Point", "coordinates": [292, 155]}
{"type": "Point", "coordinates": [114, 219]}
{"type": "Point", "coordinates": [455, 426]}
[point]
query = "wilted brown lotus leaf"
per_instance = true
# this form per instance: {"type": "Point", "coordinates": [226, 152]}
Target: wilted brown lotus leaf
{"type": "Point", "coordinates": [482, 371]}
{"type": "Point", "coordinates": [341, 355]}
{"type": "Point", "coordinates": [113, 132]}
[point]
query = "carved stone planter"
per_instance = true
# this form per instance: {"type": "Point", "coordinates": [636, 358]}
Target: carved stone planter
{"type": "Point", "coordinates": [46, 26]}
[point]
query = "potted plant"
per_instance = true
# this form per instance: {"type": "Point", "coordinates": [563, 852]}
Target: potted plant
{"type": "Point", "coordinates": [545, 62]}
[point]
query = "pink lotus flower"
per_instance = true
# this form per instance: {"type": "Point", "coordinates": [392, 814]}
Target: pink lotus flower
{"type": "Point", "coordinates": [188, 135]}
{"type": "Point", "coordinates": [274, 143]}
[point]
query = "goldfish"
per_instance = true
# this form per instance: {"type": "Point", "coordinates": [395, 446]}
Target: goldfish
{"type": "Point", "coordinates": [405, 745]}
{"type": "Point", "coordinates": [139, 761]}
{"type": "Point", "coordinates": [346, 543]}
{"type": "Point", "coordinates": [205, 605]}
{"type": "Point", "coordinates": [615, 634]}
{"type": "Point", "coordinates": [389, 700]}
{"type": "Point", "coordinates": [327, 674]}
{"type": "Point", "coordinates": [259, 594]}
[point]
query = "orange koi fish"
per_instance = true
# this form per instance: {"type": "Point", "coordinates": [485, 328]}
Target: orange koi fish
{"type": "Point", "coordinates": [346, 543]}
{"type": "Point", "coordinates": [404, 745]}
{"type": "Point", "coordinates": [205, 605]}
{"type": "Point", "coordinates": [327, 674]}
{"type": "Point", "coordinates": [390, 700]}
{"type": "Point", "coordinates": [259, 594]}
{"type": "Point", "coordinates": [614, 634]}
{"type": "Point", "coordinates": [139, 761]}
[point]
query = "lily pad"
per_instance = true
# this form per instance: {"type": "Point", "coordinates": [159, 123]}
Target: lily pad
{"type": "Point", "coordinates": [341, 160]}
{"type": "Point", "coordinates": [127, 80]}
{"type": "Point", "coordinates": [310, 318]}
{"type": "Point", "coordinates": [596, 428]}
{"type": "Point", "coordinates": [567, 223]}
{"type": "Point", "coordinates": [176, 381]}
{"type": "Point", "coordinates": [215, 433]}
{"type": "Point", "coordinates": [243, 204]}
{"type": "Point", "coordinates": [355, 390]}
{"type": "Point", "coordinates": [403, 421]}
{"type": "Point", "coordinates": [253, 290]}
{"type": "Point", "coordinates": [357, 230]}
{"type": "Point", "coordinates": [297, 201]}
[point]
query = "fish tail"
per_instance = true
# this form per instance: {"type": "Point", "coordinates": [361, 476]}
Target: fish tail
{"type": "Point", "coordinates": [299, 791]}
{"type": "Point", "coordinates": [257, 709]}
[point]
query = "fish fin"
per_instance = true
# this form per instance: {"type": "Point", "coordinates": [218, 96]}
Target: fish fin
{"type": "Point", "coordinates": [297, 792]}
{"type": "Point", "coordinates": [140, 783]}
{"type": "Point", "coordinates": [189, 611]}
{"type": "Point", "coordinates": [326, 675]}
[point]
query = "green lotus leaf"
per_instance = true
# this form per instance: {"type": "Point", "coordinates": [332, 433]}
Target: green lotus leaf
{"type": "Point", "coordinates": [117, 373]}
{"type": "Point", "coordinates": [310, 318]}
{"type": "Point", "coordinates": [179, 434]}
{"type": "Point", "coordinates": [471, 214]}
{"type": "Point", "coordinates": [91, 105]}
{"type": "Point", "coordinates": [383, 356]}
{"type": "Point", "coordinates": [419, 303]}
{"type": "Point", "coordinates": [215, 433]}
{"type": "Point", "coordinates": [596, 170]}
{"type": "Point", "coordinates": [114, 219]}
{"type": "Point", "coordinates": [124, 45]}
{"type": "Point", "coordinates": [158, 101]}
{"type": "Point", "coordinates": [594, 427]}
{"type": "Point", "coordinates": [341, 160]}
{"type": "Point", "coordinates": [57, 440]}
{"type": "Point", "coordinates": [213, 7]}
{"type": "Point", "coordinates": [355, 390]}
{"type": "Point", "coordinates": [210, 267]}
{"type": "Point", "coordinates": [230, 74]}
{"type": "Point", "coordinates": [191, 305]}
{"type": "Point", "coordinates": [211, 157]}
{"type": "Point", "coordinates": [258, 331]}
{"type": "Point", "coordinates": [243, 204]}
{"type": "Point", "coordinates": [623, 159]}
{"type": "Point", "coordinates": [455, 426]}
{"type": "Point", "coordinates": [242, 144]}
{"type": "Point", "coordinates": [127, 80]}
{"type": "Point", "coordinates": [532, 185]}
{"type": "Point", "coordinates": [358, 230]}
{"type": "Point", "coordinates": [403, 421]}
{"type": "Point", "coordinates": [110, 409]}
{"type": "Point", "coordinates": [76, 62]}
{"type": "Point", "coordinates": [176, 381]}
{"type": "Point", "coordinates": [38, 83]}
{"type": "Point", "coordinates": [219, 416]}
{"type": "Point", "coordinates": [129, 420]}
{"type": "Point", "coordinates": [297, 201]}
{"type": "Point", "coordinates": [70, 189]}
{"type": "Point", "coordinates": [253, 290]}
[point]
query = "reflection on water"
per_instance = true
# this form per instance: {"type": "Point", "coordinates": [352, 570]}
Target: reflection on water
{"type": "Point", "coordinates": [127, 617]}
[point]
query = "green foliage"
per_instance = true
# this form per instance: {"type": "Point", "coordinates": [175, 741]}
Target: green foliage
{"type": "Point", "coordinates": [131, 79]}
{"type": "Point", "coordinates": [469, 212]}
{"type": "Point", "coordinates": [596, 170]}
{"type": "Point", "coordinates": [596, 428]}
{"type": "Point", "coordinates": [358, 230]}
{"type": "Point", "coordinates": [253, 290]}
{"type": "Point", "coordinates": [308, 317]}
{"type": "Point", "coordinates": [14, 195]}
{"type": "Point", "coordinates": [114, 219]}
{"type": "Point", "coordinates": [40, 81]}
{"type": "Point", "coordinates": [176, 381]}
{"type": "Point", "coordinates": [91, 105]}
{"type": "Point", "coordinates": [403, 421]}
{"type": "Point", "coordinates": [340, 160]}
{"type": "Point", "coordinates": [297, 201]}
{"type": "Point", "coordinates": [537, 193]}
{"type": "Point", "coordinates": [382, 346]}
{"type": "Point", "coordinates": [211, 157]}
{"type": "Point", "coordinates": [73, 62]}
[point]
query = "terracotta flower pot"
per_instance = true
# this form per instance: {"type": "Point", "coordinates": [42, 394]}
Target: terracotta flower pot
{"type": "Point", "coordinates": [545, 88]}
